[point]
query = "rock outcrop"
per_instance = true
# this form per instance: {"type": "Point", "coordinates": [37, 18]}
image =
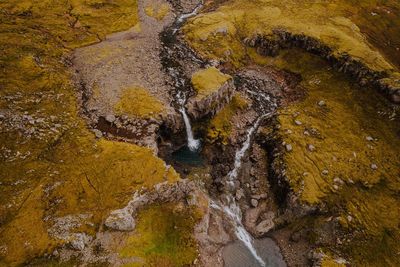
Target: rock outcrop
{"type": "Point", "coordinates": [270, 45]}
{"type": "Point", "coordinates": [123, 219]}
{"type": "Point", "coordinates": [214, 90]}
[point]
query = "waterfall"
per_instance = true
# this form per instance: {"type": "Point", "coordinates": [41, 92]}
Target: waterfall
{"type": "Point", "coordinates": [193, 144]}
{"type": "Point", "coordinates": [230, 207]}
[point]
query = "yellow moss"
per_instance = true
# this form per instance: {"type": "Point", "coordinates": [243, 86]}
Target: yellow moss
{"type": "Point", "coordinates": [158, 12]}
{"type": "Point", "coordinates": [220, 127]}
{"type": "Point", "coordinates": [208, 81]}
{"type": "Point", "coordinates": [341, 131]}
{"type": "Point", "coordinates": [218, 34]}
{"type": "Point", "coordinates": [351, 114]}
{"type": "Point", "coordinates": [61, 169]}
{"type": "Point", "coordinates": [329, 262]}
{"type": "Point", "coordinates": [367, 201]}
{"type": "Point", "coordinates": [138, 102]}
{"type": "Point", "coordinates": [103, 17]}
{"type": "Point", "coordinates": [164, 236]}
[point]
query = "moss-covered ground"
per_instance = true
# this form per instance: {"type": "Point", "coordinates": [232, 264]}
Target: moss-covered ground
{"type": "Point", "coordinates": [208, 81]}
{"type": "Point", "coordinates": [163, 236]}
{"type": "Point", "coordinates": [344, 138]}
{"type": "Point", "coordinates": [348, 27]}
{"type": "Point", "coordinates": [345, 154]}
{"type": "Point", "coordinates": [158, 11]}
{"type": "Point", "coordinates": [51, 165]}
{"type": "Point", "coordinates": [219, 129]}
{"type": "Point", "coordinates": [138, 102]}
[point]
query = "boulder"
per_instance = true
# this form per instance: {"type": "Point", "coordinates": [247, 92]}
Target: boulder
{"type": "Point", "coordinates": [120, 220]}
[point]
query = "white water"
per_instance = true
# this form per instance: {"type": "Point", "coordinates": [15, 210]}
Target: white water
{"type": "Point", "coordinates": [230, 207]}
{"type": "Point", "coordinates": [193, 144]}
{"type": "Point", "coordinates": [184, 17]}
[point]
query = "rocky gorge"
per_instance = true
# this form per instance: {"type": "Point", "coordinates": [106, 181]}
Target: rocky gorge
{"type": "Point", "coordinates": [293, 114]}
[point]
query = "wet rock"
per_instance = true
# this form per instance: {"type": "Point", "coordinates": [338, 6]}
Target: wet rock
{"type": "Point", "coordinates": [120, 220]}
{"type": "Point", "coordinates": [266, 225]}
{"type": "Point", "coordinates": [240, 194]}
{"type": "Point", "coordinates": [254, 202]}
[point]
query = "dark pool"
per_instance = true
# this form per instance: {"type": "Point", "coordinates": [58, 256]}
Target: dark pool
{"type": "Point", "coordinates": [187, 157]}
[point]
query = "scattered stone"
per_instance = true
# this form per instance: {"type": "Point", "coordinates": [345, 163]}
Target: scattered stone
{"type": "Point", "coordinates": [337, 180]}
{"type": "Point", "coordinates": [254, 202]}
{"type": "Point", "coordinates": [110, 118]}
{"type": "Point", "coordinates": [98, 133]}
{"type": "Point", "coordinates": [80, 240]}
{"type": "Point", "coordinates": [310, 147]}
{"type": "Point", "coordinates": [297, 122]}
{"type": "Point", "coordinates": [321, 103]}
{"type": "Point", "coordinates": [239, 194]}
{"type": "Point", "coordinates": [289, 147]}
{"type": "Point", "coordinates": [325, 172]}
{"type": "Point", "coordinates": [260, 196]}
{"type": "Point", "coordinates": [374, 166]}
{"type": "Point", "coordinates": [120, 220]}
{"type": "Point", "coordinates": [266, 225]}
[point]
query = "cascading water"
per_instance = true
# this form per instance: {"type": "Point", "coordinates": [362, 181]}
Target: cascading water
{"type": "Point", "coordinates": [229, 205]}
{"type": "Point", "coordinates": [193, 144]}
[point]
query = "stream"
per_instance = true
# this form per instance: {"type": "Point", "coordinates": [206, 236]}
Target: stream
{"type": "Point", "coordinates": [171, 57]}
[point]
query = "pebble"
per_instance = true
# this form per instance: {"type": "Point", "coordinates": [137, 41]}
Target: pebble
{"type": "Point", "coordinates": [369, 138]}
{"type": "Point", "coordinates": [297, 122]}
{"type": "Point", "coordinates": [310, 147]}
{"type": "Point", "coordinates": [98, 133]}
{"type": "Point", "coordinates": [374, 166]}
{"type": "Point", "coordinates": [321, 103]}
{"type": "Point", "coordinates": [289, 147]}
{"type": "Point", "coordinates": [254, 202]}
{"type": "Point", "coordinates": [337, 180]}
{"type": "Point", "coordinates": [336, 187]}
{"type": "Point", "coordinates": [325, 172]}
{"type": "Point", "coordinates": [110, 118]}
